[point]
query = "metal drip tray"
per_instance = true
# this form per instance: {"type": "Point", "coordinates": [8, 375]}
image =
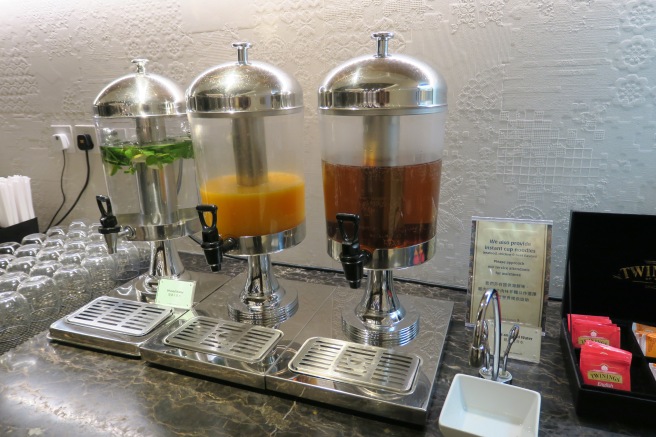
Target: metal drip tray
{"type": "Point", "coordinates": [367, 366]}
{"type": "Point", "coordinates": [323, 365]}
{"type": "Point", "coordinates": [249, 343]}
{"type": "Point", "coordinates": [206, 341]}
{"type": "Point", "coordinates": [120, 315]}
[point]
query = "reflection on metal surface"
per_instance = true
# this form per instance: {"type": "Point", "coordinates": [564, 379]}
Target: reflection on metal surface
{"type": "Point", "coordinates": [397, 258]}
{"type": "Point", "coordinates": [185, 222]}
{"type": "Point", "coordinates": [267, 244]}
{"type": "Point", "coordinates": [229, 339]}
{"type": "Point", "coordinates": [367, 366]}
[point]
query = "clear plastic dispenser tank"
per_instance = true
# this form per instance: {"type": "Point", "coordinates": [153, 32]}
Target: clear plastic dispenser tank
{"type": "Point", "coordinates": [382, 118]}
{"type": "Point", "coordinates": [247, 123]}
{"type": "Point", "coordinates": [147, 156]}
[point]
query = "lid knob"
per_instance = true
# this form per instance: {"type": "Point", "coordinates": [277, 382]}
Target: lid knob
{"type": "Point", "coordinates": [382, 39]}
{"type": "Point", "coordinates": [141, 65]}
{"type": "Point", "coordinates": [242, 51]}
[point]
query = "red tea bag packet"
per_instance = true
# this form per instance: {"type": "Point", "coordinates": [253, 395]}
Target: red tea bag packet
{"type": "Point", "coordinates": [605, 366]}
{"type": "Point", "coordinates": [575, 317]}
{"type": "Point", "coordinates": [601, 330]}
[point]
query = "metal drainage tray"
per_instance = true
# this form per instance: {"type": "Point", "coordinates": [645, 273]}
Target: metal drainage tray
{"type": "Point", "coordinates": [368, 366]}
{"type": "Point", "coordinates": [249, 343]}
{"type": "Point", "coordinates": [121, 316]}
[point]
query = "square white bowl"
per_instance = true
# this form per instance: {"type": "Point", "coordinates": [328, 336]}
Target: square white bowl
{"type": "Point", "coordinates": [479, 407]}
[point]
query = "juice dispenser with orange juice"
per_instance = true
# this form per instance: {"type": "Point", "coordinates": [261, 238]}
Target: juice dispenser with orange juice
{"type": "Point", "coordinates": [246, 122]}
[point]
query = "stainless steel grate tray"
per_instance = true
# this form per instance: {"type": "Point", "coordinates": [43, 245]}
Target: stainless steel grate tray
{"type": "Point", "coordinates": [120, 315]}
{"type": "Point", "coordinates": [249, 343]}
{"type": "Point", "coordinates": [367, 366]}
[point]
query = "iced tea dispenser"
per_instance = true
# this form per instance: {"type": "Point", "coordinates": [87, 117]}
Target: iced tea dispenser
{"type": "Point", "coordinates": [382, 118]}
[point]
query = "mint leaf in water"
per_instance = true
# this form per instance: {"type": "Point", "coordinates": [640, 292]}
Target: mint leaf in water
{"type": "Point", "coordinates": [126, 157]}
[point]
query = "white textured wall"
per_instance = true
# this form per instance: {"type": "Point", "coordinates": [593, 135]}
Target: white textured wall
{"type": "Point", "coordinates": [551, 102]}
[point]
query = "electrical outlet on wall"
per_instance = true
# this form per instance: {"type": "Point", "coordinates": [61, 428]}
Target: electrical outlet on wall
{"type": "Point", "coordinates": [62, 138]}
{"type": "Point", "coordinates": [82, 129]}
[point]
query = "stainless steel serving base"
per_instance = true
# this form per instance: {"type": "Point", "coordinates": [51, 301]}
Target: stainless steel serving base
{"type": "Point", "coordinates": [385, 336]}
{"type": "Point", "coordinates": [163, 350]}
{"type": "Point", "coordinates": [407, 406]}
{"type": "Point", "coordinates": [109, 340]}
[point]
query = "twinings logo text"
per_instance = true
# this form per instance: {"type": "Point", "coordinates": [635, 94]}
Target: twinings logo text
{"type": "Point", "coordinates": [645, 272]}
{"type": "Point", "coordinates": [605, 377]}
{"type": "Point", "coordinates": [582, 339]}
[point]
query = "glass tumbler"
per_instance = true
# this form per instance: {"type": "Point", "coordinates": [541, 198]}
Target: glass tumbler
{"type": "Point", "coordinates": [72, 257]}
{"type": "Point", "coordinates": [56, 230]}
{"type": "Point", "coordinates": [5, 259]}
{"type": "Point", "coordinates": [49, 254]}
{"type": "Point", "coordinates": [36, 238]}
{"type": "Point", "coordinates": [23, 264]}
{"type": "Point", "coordinates": [96, 237]}
{"type": "Point", "coordinates": [9, 247]}
{"type": "Point", "coordinates": [73, 280]}
{"type": "Point", "coordinates": [102, 273]}
{"type": "Point", "coordinates": [96, 248]}
{"type": "Point", "coordinates": [57, 240]}
{"type": "Point", "coordinates": [11, 280]}
{"type": "Point", "coordinates": [79, 224]}
{"type": "Point", "coordinates": [27, 250]}
{"type": "Point", "coordinates": [144, 248]}
{"type": "Point", "coordinates": [127, 261]}
{"type": "Point", "coordinates": [76, 234]}
{"type": "Point", "coordinates": [45, 268]}
{"type": "Point", "coordinates": [75, 244]}
{"type": "Point", "coordinates": [44, 296]}
{"type": "Point", "coordinates": [94, 228]}
{"type": "Point", "coordinates": [15, 318]}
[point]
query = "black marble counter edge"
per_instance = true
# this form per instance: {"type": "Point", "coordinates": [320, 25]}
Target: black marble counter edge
{"type": "Point", "coordinates": [55, 389]}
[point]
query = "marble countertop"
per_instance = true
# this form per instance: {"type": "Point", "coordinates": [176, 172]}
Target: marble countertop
{"type": "Point", "coordinates": [52, 389]}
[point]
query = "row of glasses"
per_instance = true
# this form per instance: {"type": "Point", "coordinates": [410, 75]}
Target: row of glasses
{"type": "Point", "coordinates": [47, 275]}
{"type": "Point", "coordinates": [52, 274]}
{"type": "Point", "coordinates": [28, 303]}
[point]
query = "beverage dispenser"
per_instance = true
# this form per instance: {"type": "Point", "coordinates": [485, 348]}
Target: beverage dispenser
{"type": "Point", "coordinates": [147, 156]}
{"type": "Point", "coordinates": [382, 118]}
{"type": "Point", "coordinates": [246, 122]}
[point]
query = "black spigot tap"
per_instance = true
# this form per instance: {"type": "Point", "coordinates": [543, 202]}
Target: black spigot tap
{"type": "Point", "coordinates": [213, 245]}
{"type": "Point", "coordinates": [108, 221]}
{"type": "Point", "coordinates": [109, 224]}
{"type": "Point", "coordinates": [352, 257]}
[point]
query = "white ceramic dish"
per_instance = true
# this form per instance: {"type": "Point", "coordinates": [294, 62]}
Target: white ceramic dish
{"type": "Point", "coordinates": [478, 407]}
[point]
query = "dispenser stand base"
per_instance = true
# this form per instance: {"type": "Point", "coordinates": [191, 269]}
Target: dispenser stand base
{"type": "Point", "coordinates": [403, 332]}
{"type": "Point", "coordinates": [265, 315]}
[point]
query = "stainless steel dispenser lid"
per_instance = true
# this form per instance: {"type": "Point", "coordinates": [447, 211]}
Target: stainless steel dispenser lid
{"type": "Point", "coordinates": [242, 88]}
{"type": "Point", "coordinates": [139, 95]}
{"type": "Point", "coordinates": [382, 84]}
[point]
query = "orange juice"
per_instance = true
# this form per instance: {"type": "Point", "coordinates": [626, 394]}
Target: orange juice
{"type": "Point", "coordinates": [268, 208]}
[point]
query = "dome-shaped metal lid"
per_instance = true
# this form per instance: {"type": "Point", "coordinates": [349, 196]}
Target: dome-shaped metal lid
{"type": "Point", "coordinates": [243, 87]}
{"type": "Point", "coordinates": [382, 84]}
{"type": "Point", "coordinates": [139, 95]}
